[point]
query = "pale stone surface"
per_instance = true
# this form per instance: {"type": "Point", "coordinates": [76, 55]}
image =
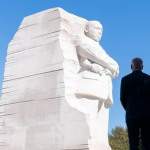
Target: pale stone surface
{"type": "Point", "coordinates": [42, 106]}
{"type": "Point", "coordinates": [94, 85]}
{"type": "Point", "coordinates": [34, 112]}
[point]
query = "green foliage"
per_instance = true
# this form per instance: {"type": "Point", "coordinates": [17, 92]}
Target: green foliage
{"type": "Point", "coordinates": [118, 139]}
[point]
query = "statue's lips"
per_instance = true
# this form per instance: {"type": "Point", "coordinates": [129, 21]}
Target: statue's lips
{"type": "Point", "coordinates": [100, 35]}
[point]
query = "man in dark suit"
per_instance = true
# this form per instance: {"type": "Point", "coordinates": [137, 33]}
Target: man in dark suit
{"type": "Point", "coordinates": [135, 99]}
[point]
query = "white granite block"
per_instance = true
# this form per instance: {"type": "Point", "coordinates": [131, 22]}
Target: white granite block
{"type": "Point", "coordinates": [34, 112]}
{"type": "Point", "coordinates": [41, 107]}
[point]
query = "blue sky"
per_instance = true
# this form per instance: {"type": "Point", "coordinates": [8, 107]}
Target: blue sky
{"type": "Point", "coordinates": [126, 35]}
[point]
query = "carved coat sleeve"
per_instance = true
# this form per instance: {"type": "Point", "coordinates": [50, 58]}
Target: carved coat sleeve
{"type": "Point", "coordinates": [89, 49]}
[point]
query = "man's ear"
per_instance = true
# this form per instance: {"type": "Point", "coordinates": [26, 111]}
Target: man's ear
{"type": "Point", "coordinates": [86, 29]}
{"type": "Point", "coordinates": [131, 67]}
{"type": "Point", "coordinates": [142, 67]}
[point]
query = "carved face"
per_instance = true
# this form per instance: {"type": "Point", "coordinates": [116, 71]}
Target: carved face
{"type": "Point", "coordinates": [94, 30]}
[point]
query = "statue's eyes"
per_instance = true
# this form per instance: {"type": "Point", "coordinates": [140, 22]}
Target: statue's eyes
{"type": "Point", "coordinates": [98, 28]}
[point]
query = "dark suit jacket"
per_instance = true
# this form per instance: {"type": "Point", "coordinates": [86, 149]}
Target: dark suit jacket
{"type": "Point", "coordinates": [135, 95]}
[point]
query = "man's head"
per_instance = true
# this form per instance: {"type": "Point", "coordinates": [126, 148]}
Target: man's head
{"type": "Point", "coordinates": [93, 30]}
{"type": "Point", "coordinates": [136, 63]}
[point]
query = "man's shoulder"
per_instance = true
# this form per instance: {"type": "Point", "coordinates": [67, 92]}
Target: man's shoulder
{"type": "Point", "coordinates": [145, 74]}
{"type": "Point", "coordinates": [132, 75]}
{"type": "Point", "coordinates": [126, 76]}
{"type": "Point", "coordinates": [82, 39]}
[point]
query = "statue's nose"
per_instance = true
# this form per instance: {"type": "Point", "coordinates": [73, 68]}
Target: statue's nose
{"type": "Point", "coordinates": [100, 32]}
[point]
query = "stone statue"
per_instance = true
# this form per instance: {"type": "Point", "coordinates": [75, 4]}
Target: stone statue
{"type": "Point", "coordinates": [94, 85]}
{"type": "Point", "coordinates": [57, 88]}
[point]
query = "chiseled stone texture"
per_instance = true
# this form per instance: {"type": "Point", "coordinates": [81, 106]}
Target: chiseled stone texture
{"type": "Point", "coordinates": [38, 87]}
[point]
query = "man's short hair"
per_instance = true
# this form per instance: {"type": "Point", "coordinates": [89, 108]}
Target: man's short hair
{"type": "Point", "coordinates": [137, 63]}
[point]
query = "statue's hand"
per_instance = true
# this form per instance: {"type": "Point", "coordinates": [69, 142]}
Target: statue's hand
{"type": "Point", "coordinates": [112, 75]}
{"type": "Point", "coordinates": [115, 74]}
{"type": "Point", "coordinates": [108, 72]}
{"type": "Point", "coordinates": [97, 68]}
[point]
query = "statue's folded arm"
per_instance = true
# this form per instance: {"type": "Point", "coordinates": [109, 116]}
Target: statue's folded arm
{"type": "Point", "coordinates": [91, 50]}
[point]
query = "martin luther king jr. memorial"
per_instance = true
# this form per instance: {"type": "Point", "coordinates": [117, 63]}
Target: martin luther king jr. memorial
{"type": "Point", "coordinates": [57, 86]}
